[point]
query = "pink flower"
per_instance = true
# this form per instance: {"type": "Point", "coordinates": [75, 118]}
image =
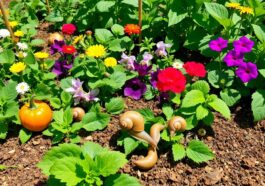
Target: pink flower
{"type": "Point", "coordinates": [68, 29]}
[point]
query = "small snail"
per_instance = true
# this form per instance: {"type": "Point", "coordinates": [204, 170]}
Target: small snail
{"type": "Point", "coordinates": [78, 113]}
{"type": "Point", "coordinates": [175, 124]}
{"type": "Point", "coordinates": [149, 161]}
{"type": "Point", "coordinates": [133, 122]}
{"type": "Point", "coordinates": [55, 36]}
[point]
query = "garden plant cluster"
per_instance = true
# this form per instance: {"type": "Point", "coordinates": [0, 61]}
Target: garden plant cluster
{"type": "Point", "coordinates": [101, 51]}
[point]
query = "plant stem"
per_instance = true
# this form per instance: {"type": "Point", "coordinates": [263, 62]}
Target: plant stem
{"type": "Point", "coordinates": [140, 16]}
{"type": "Point", "coordinates": [48, 6]}
{"type": "Point", "coordinates": [6, 21]}
{"type": "Point", "coordinates": [31, 103]}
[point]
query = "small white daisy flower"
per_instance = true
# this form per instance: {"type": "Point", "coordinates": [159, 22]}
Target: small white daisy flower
{"type": "Point", "coordinates": [22, 46]}
{"type": "Point", "coordinates": [21, 54]}
{"type": "Point", "coordinates": [22, 88]}
{"type": "Point", "coordinates": [4, 33]}
{"type": "Point", "coordinates": [177, 64]}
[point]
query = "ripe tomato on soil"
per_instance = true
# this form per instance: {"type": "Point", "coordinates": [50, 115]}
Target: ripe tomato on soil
{"type": "Point", "coordinates": [37, 118]}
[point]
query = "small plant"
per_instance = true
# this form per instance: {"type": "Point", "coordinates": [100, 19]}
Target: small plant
{"type": "Point", "coordinates": [90, 164]}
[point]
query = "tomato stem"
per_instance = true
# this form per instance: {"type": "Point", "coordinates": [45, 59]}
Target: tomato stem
{"type": "Point", "coordinates": [32, 105]}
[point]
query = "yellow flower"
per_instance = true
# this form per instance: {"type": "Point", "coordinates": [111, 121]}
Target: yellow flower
{"type": "Point", "coordinates": [19, 33]}
{"type": "Point", "coordinates": [77, 39]}
{"type": "Point", "coordinates": [110, 62]}
{"type": "Point", "coordinates": [246, 10]}
{"type": "Point", "coordinates": [17, 67]}
{"type": "Point", "coordinates": [82, 55]}
{"type": "Point", "coordinates": [96, 51]}
{"type": "Point", "coordinates": [13, 23]}
{"type": "Point", "coordinates": [41, 55]}
{"type": "Point", "coordinates": [233, 5]}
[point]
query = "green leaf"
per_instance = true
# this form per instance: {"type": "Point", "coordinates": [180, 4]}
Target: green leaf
{"type": "Point", "coordinates": [95, 121]}
{"type": "Point", "coordinates": [92, 149]}
{"type": "Point", "coordinates": [199, 152]}
{"type": "Point", "coordinates": [258, 105]}
{"type": "Point", "coordinates": [3, 167]}
{"type": "Point", "coordinates": [178, 151]}
{"type": "Point", "coordinates": [192, 122]}
{"type": "Point", "coordinates": [115, 105]}
{"type": "Point", "coordinates": [121, 180]}
{"type": "Point", "coordinates": [24, 135]}
{"type": "Point", "coordinates": [220, 106]}
{"type": "Point", "coordinates": [230, 96]}
{"type": "Point", "coordinates": [259, 32]}
{"type": "Point", "coordinates": [192, 98]}
{"type": "Point", "coordinates": [37, 42]}
{"type": "Point", "coordinates": [148, 95]}
{"type": "Point", "coordinates": [55, 103]}
{"type": "Point", "coordinates": [108, 163]}
{"type": "Point", "coordinates": [103, 35]}
{"type": "Point", "coordinates": [3, 130]}
{"type": "Point", "coordinates": [66, 97]}
{"type": "Point", "coordinates": [9, 91]}
{"type": "Point", "coordinates": [209, 119]}
{"type": "Point", "coordinates": [175, 18]}
{"type": "Point", "coordinates": [7, 56]}
{"type": "Point", "coordinates": [201, 112]}
{"type": "Point", "coordinates": [202, 86]}
{"type": "Point", "coordinates": [167, 110]}
{"type": "Point", "coordinates": [104, 6]}
{"type": "Point", "coordinates": [130, 145]}
{"type": "Point", "coordinates": [117, 29]}
{"type": "Point", "coordinates": [68, 116]}
{"type": "Point", "coordinates": [118, 79]}
{"type": "Point", "coordinates": [133, 3]}
{"type": "Point", "coordinates": [62, 151]}
{"type": "Point", "coordinates": [68, 170]}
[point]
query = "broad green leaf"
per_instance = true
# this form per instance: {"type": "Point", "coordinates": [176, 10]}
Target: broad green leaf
{"type": "Point", "coordinates": [68, 116]}
{"type": "Point", "coordinates": [58, 116]}
{"type": "Point", "coordinates": [7, 56]}
{"type": "Point", "coordinates": [121, 180]}
{"type": "Point", "coordinates": [37, 42]}
{"type": "Point", "coordinates": [103, 35]}
{"type": "Point", "coordinates": [192, 122]}
{"type": "Point", "coordinates": [220, 106]}
{"type": "Point", "coordinates": [115, 105]}
{"type": "Point", "coordinates": [9, 91]}
{"type": "Point", "coordinates": [202, 86]}
{"type": "Point", "coordinates": [62, 151]}
{"type": "Point", "coordinates": [259, 32]}
{"type": "Point", "coordinates": [117, 29]}
{"type": "Point", "coordinates": [24, 135]}
{"type": "Point", "coordinates": [230, 96]}
{"type": "Point", "coordinates": [133, 3]}
{"type": "Point", "coordinates": [192, 98]}
{"type": "Point", "coordinates": [165, 135]}
{"type": "Point", "coordinates": [167, 110]}
{"type": "Point", "coordinates": [68, 170]}
{"type": "Point", "coordinates": [209, 119]}
{"type": "Point", "coordinates": [92, 149]}
{"type": "Point", "coordinates": [55, 103]}
{"type": "Point", "coordinates": [3, 130]}
{"type": "Point", "coordinates": [104, 6]}
{"type": "Point", "coordinates": [147, 114]}
{"type": "Point", "coordinates": [178, 151]}
{"type": "Point", "coordinates": [148, 95]}
{"type": "Point", "coordinates": [130, 145]}
{"type": "Point", "coordinates": [108, 163]}
{"type": "Point", "coordinates": [120, 45]}
{"type": "Point", "coordinates": [218, 78]}
{"type": "Point", "coordinates": [258, 105]}
{"type": "Point", "coordinates": [118, 79]}
{"type": "Point", "coordinates": [95, 121]}
{"type": "Point", "coordinates": [201, 112]}
{"type": "Point", "coordinates": [175, 18]}
{"type": "Point", "coordinates": [199, 152]}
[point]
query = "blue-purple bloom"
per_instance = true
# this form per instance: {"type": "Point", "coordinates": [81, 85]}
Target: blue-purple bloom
{"type": "Point", "coordinates": [134, 88]}
{"type": "Point", "coordinates": [243, 45]}
{"type": "Point", "coordinates": [142, 69]}
{"type": "Point", "coordinates": [247, 71]}
{"type": "Point", "coordinates": [128, 61]}
{"type": "Point", "coordinates": [154, 78]}
{"type": "Point", "coordinates": [61, 67]}
{"type": "Point", "coordinates": [233, 58]}
{"type": "Point", "coordinates": [57, 46]}
{"type": "Point", "coordinates": [147, 57]}
{"type": "Point", "coordinates": [218, 44]}
{"type": "Point", "coordinates": [161, 49]}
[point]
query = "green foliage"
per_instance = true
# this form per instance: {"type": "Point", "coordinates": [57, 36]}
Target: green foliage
{"type": "Point", "coordinates": [24, 135]}
{"type": "Point", "coordinates": [198, 152]}
{"type": "Point", "coordinates": [257, 105]}
{"type": "Point", "coordinates": [115, 105]}
{"type": "Point", "coordinates": [193, 98]}
{"type": "Point", "coordinates": [178, 151]}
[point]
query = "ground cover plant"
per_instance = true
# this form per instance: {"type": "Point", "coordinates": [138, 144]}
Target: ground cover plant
{"type": "Point", "coordinates": [98, 54]}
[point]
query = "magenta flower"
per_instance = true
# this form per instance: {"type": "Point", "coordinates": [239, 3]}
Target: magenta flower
{"type": "Point", "coordinates": [233, 58]}
{"type": "Point", "coordinates": [154, 78]}
{"type": "Point", "coordinates": [247, 71]}
{"type": "Point", "coordinates": [128, 61]}
{"type": "Point", "coordinates": [243, 44]}
{"type": "Point", "coordinates": [61, 67]}
{"type": "Point", "coordinates": [134, 88]}
{"type": "Point", "coordinates": [56, 47]}
{"type": "Point", "coordinates": [161, 49]}
{"type": "Point", "coordinates": [218, 44]}
{"type": "Point", "coordinates": [142, 69]}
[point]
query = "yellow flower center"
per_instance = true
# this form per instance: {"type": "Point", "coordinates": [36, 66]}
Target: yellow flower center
{"type": "Point", "coordinates": [19, 33]}
{"type": "Point", "coordinates": [96, 51]}
{"type": "Point", "coordinates": [110, 62]}
{"type": "Point", "coordinates": [17, 67]}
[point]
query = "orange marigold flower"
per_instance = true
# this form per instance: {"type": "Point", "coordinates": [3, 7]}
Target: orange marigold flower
{"type": "Point", "coordinates": [132, 29]}
{"type": "Point", "coordinates": [68, 49]}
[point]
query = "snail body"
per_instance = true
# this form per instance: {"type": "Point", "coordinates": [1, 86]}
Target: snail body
{"type": "Point", "coordinates": [175, 124]}
{"type": "Point", "coordinates": [133, 122]}
{"type": "Point", "coordinates": [149, 161]}
{"type": "Point", "coordinates": [155, 131]}
{"type": "Point", "coordinates": [78, 113]}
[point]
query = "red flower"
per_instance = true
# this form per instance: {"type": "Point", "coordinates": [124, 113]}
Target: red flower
{"type": "Point", "coordinates": [68, 49]}
{"type": "Point", "coordinates": [195, 69]}
{"type": "Point", "coordinates": [68, 29]}
{"type": "Point", "coordinates": [132, 29]}
{"type": "Point", "coordinates": [171, 79]}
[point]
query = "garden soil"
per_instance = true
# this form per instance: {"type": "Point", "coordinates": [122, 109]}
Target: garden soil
{"type": "Point", "coordinates": [238, 144]}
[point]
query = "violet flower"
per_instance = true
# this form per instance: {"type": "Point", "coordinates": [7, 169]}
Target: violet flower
{"type": "Point", "coordinates": [57, 46]}
{"type": "Point", "coordinates": [154, 78]}
{"type": "Point", "coordinates": [61, 67]}
{"type": "Point", "coordinates": [91, 95]}
{"type": "Point", "coordinates": [142, 69]}
{"type": "Point", "coordinates": [243, 44]}
{"type": "Point", "coordinates": [218, 44]}
{"type": "Point", "coordinates": [233, 58]}
{"type": "Point", "coordinates": [161, 49]}
{"type": "Point", "coordinates": [247, 71]}
{"type": "Point", "coordinates": [134, 88]}
{"type": "Point", "coordinates": [128, 61]}
{"type": "Point", "coordinates": [146, 58]}
{"type": "Point", "coordinates": [163, 97]}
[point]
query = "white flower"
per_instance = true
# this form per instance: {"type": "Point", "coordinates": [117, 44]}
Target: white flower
{"type": "Point", "coordinates": [22, 88]}
{"type": "Point", "coordinates": [22, 46]}
{"type": "Point", "coordinates": [4, 33]}
{"type": "Point", "coordinates": [21, 54]}
{"type": "Point", "coordinates": [177, 64]}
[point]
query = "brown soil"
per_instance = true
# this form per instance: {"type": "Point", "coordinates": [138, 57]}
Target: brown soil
{"type": "Point", "coordinates": [238, 145]}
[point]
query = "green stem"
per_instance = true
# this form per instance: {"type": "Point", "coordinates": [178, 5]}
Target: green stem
{"type": "Point", "coordinates": [140, 11]}
{"type": "Point", "coordinates": [32, 105]}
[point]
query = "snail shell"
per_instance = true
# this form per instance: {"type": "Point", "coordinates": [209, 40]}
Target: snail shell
{"type": "Point", "coordinates": [78, 113]}
{"type": "Point", "coordinates": [176, 123]}
{"type": "Point", "coordinates": [132, 120]}
{"type": "Point", "coordinates": [55, 36]}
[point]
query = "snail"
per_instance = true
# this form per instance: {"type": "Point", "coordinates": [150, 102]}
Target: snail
{"type": "Point", "coordinates": [78, 113]}
{"type": "Point", "coordinates": [150, 160]}
{"type": "Point", "coordinates": [175, 124]}
{"type": "Point", "coordinates": [55, 36]}
{"type": "Point", "coordinates": [133, 122]}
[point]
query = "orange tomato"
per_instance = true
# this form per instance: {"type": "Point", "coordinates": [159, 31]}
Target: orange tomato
{"type": "Point", "coordinates": [35, 119]}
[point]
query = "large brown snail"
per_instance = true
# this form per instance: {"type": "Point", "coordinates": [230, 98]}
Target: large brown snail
{"type": "Point", "coordinates": [176, 123]}
{"type": "Point", "coordinates": [55, 36]}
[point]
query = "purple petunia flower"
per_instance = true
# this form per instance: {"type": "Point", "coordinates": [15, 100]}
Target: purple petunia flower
{"type": "Point", "coordinates": [57, 46]}
{"type": "Point", "coordinates": [154, 78]}
{"type": "Point", "coordinates": [243, 44]}
{"type": "Point", "coordinates": [161, 49]}
{"type": "Point", "coordinates": [218, 44]}
{"type": "Point", "coordinates": [146, 58]}
{"type": "Point", "coordinates": [142, 69]}
{"type": "Point", "coordinates": [91, 95]}
{"type": "Point", "coordinates": [61, 67]}
{"type": "Point", "coordinates": [247, 71]}
{"type": "Point", "coordinates": [234, 58]}
{"type": "Point", "coordinates": [134, 88]}
{"type": "Point", "coordinates": [163, 97]}
{"type": "Point", "coordinates": [128, 60]}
